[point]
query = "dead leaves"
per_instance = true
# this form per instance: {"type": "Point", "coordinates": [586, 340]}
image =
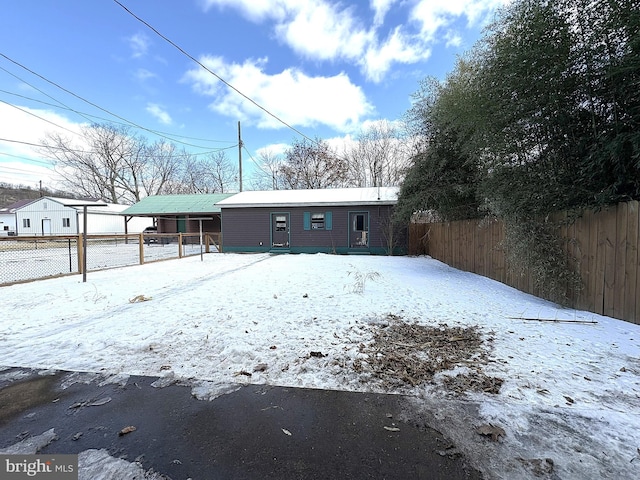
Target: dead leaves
{"type": "Point", "coordinates": [126, 430]}
{"type": "Point", "coordinates": [261, 367]}
{"type": "Point", "coordinates": [538, 466]}
{"type": "Point", "coordinates": [492, 431]}
{"type": "Point", "coordinates": [139, 298]}
{"type": "Point", "coordinates": [475, 382]}
{"type": "Point", "coordinates": [91, 403]}
{"type": "Point", "coordinates": [412, 354]}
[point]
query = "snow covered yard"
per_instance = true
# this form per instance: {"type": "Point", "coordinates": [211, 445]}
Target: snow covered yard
{"type": "Point", "coordinates": [561, 398]}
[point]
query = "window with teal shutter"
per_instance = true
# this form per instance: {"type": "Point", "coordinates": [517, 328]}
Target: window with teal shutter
{"type": "Point", "coordinates": [328, 221]}
{"type": "Point", "coordinates": [307, 220]}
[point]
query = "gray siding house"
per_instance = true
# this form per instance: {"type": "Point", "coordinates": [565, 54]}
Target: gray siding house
{"type": "Point", "coordinates": [340, 220]}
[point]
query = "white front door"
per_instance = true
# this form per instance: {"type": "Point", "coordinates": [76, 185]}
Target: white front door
{"type": "Point", "coordinates": [46, 226]}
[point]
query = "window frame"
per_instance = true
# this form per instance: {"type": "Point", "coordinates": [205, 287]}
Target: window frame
{"type": "Point", "coordinates": [318, 222]}
{"type": "Point", "coordinates": [308, 221]}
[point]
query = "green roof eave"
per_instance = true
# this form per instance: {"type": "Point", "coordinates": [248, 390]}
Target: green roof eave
{"type": "Point", "coordinates": [177, 204]}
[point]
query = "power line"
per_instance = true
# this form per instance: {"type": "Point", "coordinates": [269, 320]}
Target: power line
{"type": "Point", "coordinates": [44, 162]}
{"type": "Point", "coordinates": [84, 114]}
{"type": "Point", "coordinates": [256, 163]}
{"type": "Point", "coordinates": [42, 92]}
{"type": "Point", "coordinates": [170, 42]}
{"type": "Point", "coordinates": [90, 152]}
{"type": "Point", "coordinates": [39, 117]}
{"type": "Point", "coordinates": [93, 104]}
{"type": "Point", "coordinates": [13, 169]}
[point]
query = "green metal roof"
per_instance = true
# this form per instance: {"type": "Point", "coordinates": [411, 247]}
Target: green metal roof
{"type": "Point", "coordinates": [177, 204]}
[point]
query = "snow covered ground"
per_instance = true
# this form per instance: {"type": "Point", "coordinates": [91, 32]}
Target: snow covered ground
{"type": "Point", "coordinates": [571, 379]}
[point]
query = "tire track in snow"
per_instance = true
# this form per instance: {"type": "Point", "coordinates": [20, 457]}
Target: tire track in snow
{"type": "Point", "coordinates": [93, 319]}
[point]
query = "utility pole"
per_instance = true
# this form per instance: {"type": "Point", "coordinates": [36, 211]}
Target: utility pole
{"type": "Point", "coordinates": [240, 154]}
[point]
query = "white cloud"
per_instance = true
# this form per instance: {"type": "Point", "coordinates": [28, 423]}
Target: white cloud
{"type": "Point", "coordinates": [273, 149]}
{"type": "Point", "coordinates": [328, 31]}
{"type": "Point", "coordinates": [159, 113]}
{"type": "Point", "coordinates": [381, 7]}
{"type": "Point", "coordinates": [453, 39]}
{"type": "Point", "coordinates": [139, 44]}
{"type": "Point", "coordinates": [20, 161]}
{"type": "Point", "coordinates": [255, 10]}
{"type": "Point", "coordinates": [142, 75]}
{"type": "Point", "coordinates": [291, 95]}
{"type": "Point", "coordinates": [398, 48]}
{"type": "Point", "coordinates": [320, 30]}
{"type": "Point", "coordinates": [434, 15]}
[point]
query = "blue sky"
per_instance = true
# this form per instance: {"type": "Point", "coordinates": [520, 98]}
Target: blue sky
{"type": "Point", "coordinates": [326, 68]}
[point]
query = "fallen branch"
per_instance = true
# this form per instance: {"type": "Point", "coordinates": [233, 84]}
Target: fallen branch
{"type": "Point", "coordinates": [591, 322]}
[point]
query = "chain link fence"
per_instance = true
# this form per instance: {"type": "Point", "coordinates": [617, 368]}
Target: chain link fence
{"type": "Point", "coordinates": [32, 258]}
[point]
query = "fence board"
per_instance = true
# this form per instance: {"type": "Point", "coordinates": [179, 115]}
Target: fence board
{"type": "Point", "coordinates": [609, 246]}
{"type": "Point", "coordinates": [631, 266]}
{"type": "Point", "coordinates": [499, 258]}
{"type": "Point", "coordinates": [622, 213]}
{"type": "Point", "coordinates": [582, 239]}
{"type": "Point", "coordinates": [478, 255]}
{"type": "Point", "coordinates": [601, 246]}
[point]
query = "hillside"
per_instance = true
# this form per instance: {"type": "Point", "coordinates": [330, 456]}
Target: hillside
{"type": "Point", "coordinates": [12, 193]}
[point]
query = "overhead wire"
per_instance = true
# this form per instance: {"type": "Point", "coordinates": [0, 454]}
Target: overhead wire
{"type": "Point", "coordinates": [44, 162]}
{"type": "Point", "coordinates": [88, 152]}
{"type": "Point", "coordinates": [38, 117]}
{"type": "Point", "coordinates": [129, 122]}
{"type": "Point", "coordinates": [191, 57]}
{"type": "Point", "coordinates": [255, 163]}
{"type": "Point", "coordinates": [90, 116]}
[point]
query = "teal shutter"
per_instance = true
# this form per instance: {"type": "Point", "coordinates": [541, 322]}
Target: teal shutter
{"type": "Point", "coordinates": [328, 221]}
{"type": "Point", "coordinates": [307, 220]}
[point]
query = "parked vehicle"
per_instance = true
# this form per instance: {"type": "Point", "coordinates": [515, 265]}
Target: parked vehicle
{"type": "Point", "coordinates": [149, 235]}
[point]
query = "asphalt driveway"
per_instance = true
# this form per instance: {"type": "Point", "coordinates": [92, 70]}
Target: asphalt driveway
{"type": "Point", "coordinates": [255, 432]}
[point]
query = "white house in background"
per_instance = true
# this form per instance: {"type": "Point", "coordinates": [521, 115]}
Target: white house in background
{"type": "Point", "coordinates": [64, 216]}
{"type": "Point", "coordinates": [8, 218]}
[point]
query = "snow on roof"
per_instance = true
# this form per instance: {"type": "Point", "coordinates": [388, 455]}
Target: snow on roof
{"type": "Point", "coordinates": [329, 196]}
{"type": "Point", "coordinates": [177, 204]}
{"type": "Point", "coordinates": [14, 206]}
{"type": "Point", "coordinates": [93, 206]}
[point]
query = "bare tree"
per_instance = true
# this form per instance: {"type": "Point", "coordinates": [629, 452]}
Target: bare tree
{"type": "Point", "coordinates": [312, 165]}
{"type": "Point", "coordinates": [269, 174]}
{"type": "Point", "coordinates": [379, 157]}
{"type": "Point", "coordinates": [96, 167]}
{"type": "Point", "coordinates": [164, 163]}
{"type": "Point", "coordinates": [212, 174]}
{"type": "Point", "coordinates": [112, 164]}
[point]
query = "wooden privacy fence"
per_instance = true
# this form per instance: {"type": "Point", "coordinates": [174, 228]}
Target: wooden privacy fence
{"type": "Point", "coordinates": [601, 246]}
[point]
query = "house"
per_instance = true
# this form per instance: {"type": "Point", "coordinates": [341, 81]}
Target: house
{"type": "Point", "coordinates": [64, 216]}
{"type": "Point", "coordinates": [341, 220]}
{"type": "Point", "coordinates": [180, 213]}
{"type": "Point", "coordinates": [8, 218]}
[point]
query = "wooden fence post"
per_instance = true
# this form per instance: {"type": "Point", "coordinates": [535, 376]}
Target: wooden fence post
{"type": "Point", "coordinates": [80, 253]}
{"type": "Point", "coordinates": [141, 248]}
